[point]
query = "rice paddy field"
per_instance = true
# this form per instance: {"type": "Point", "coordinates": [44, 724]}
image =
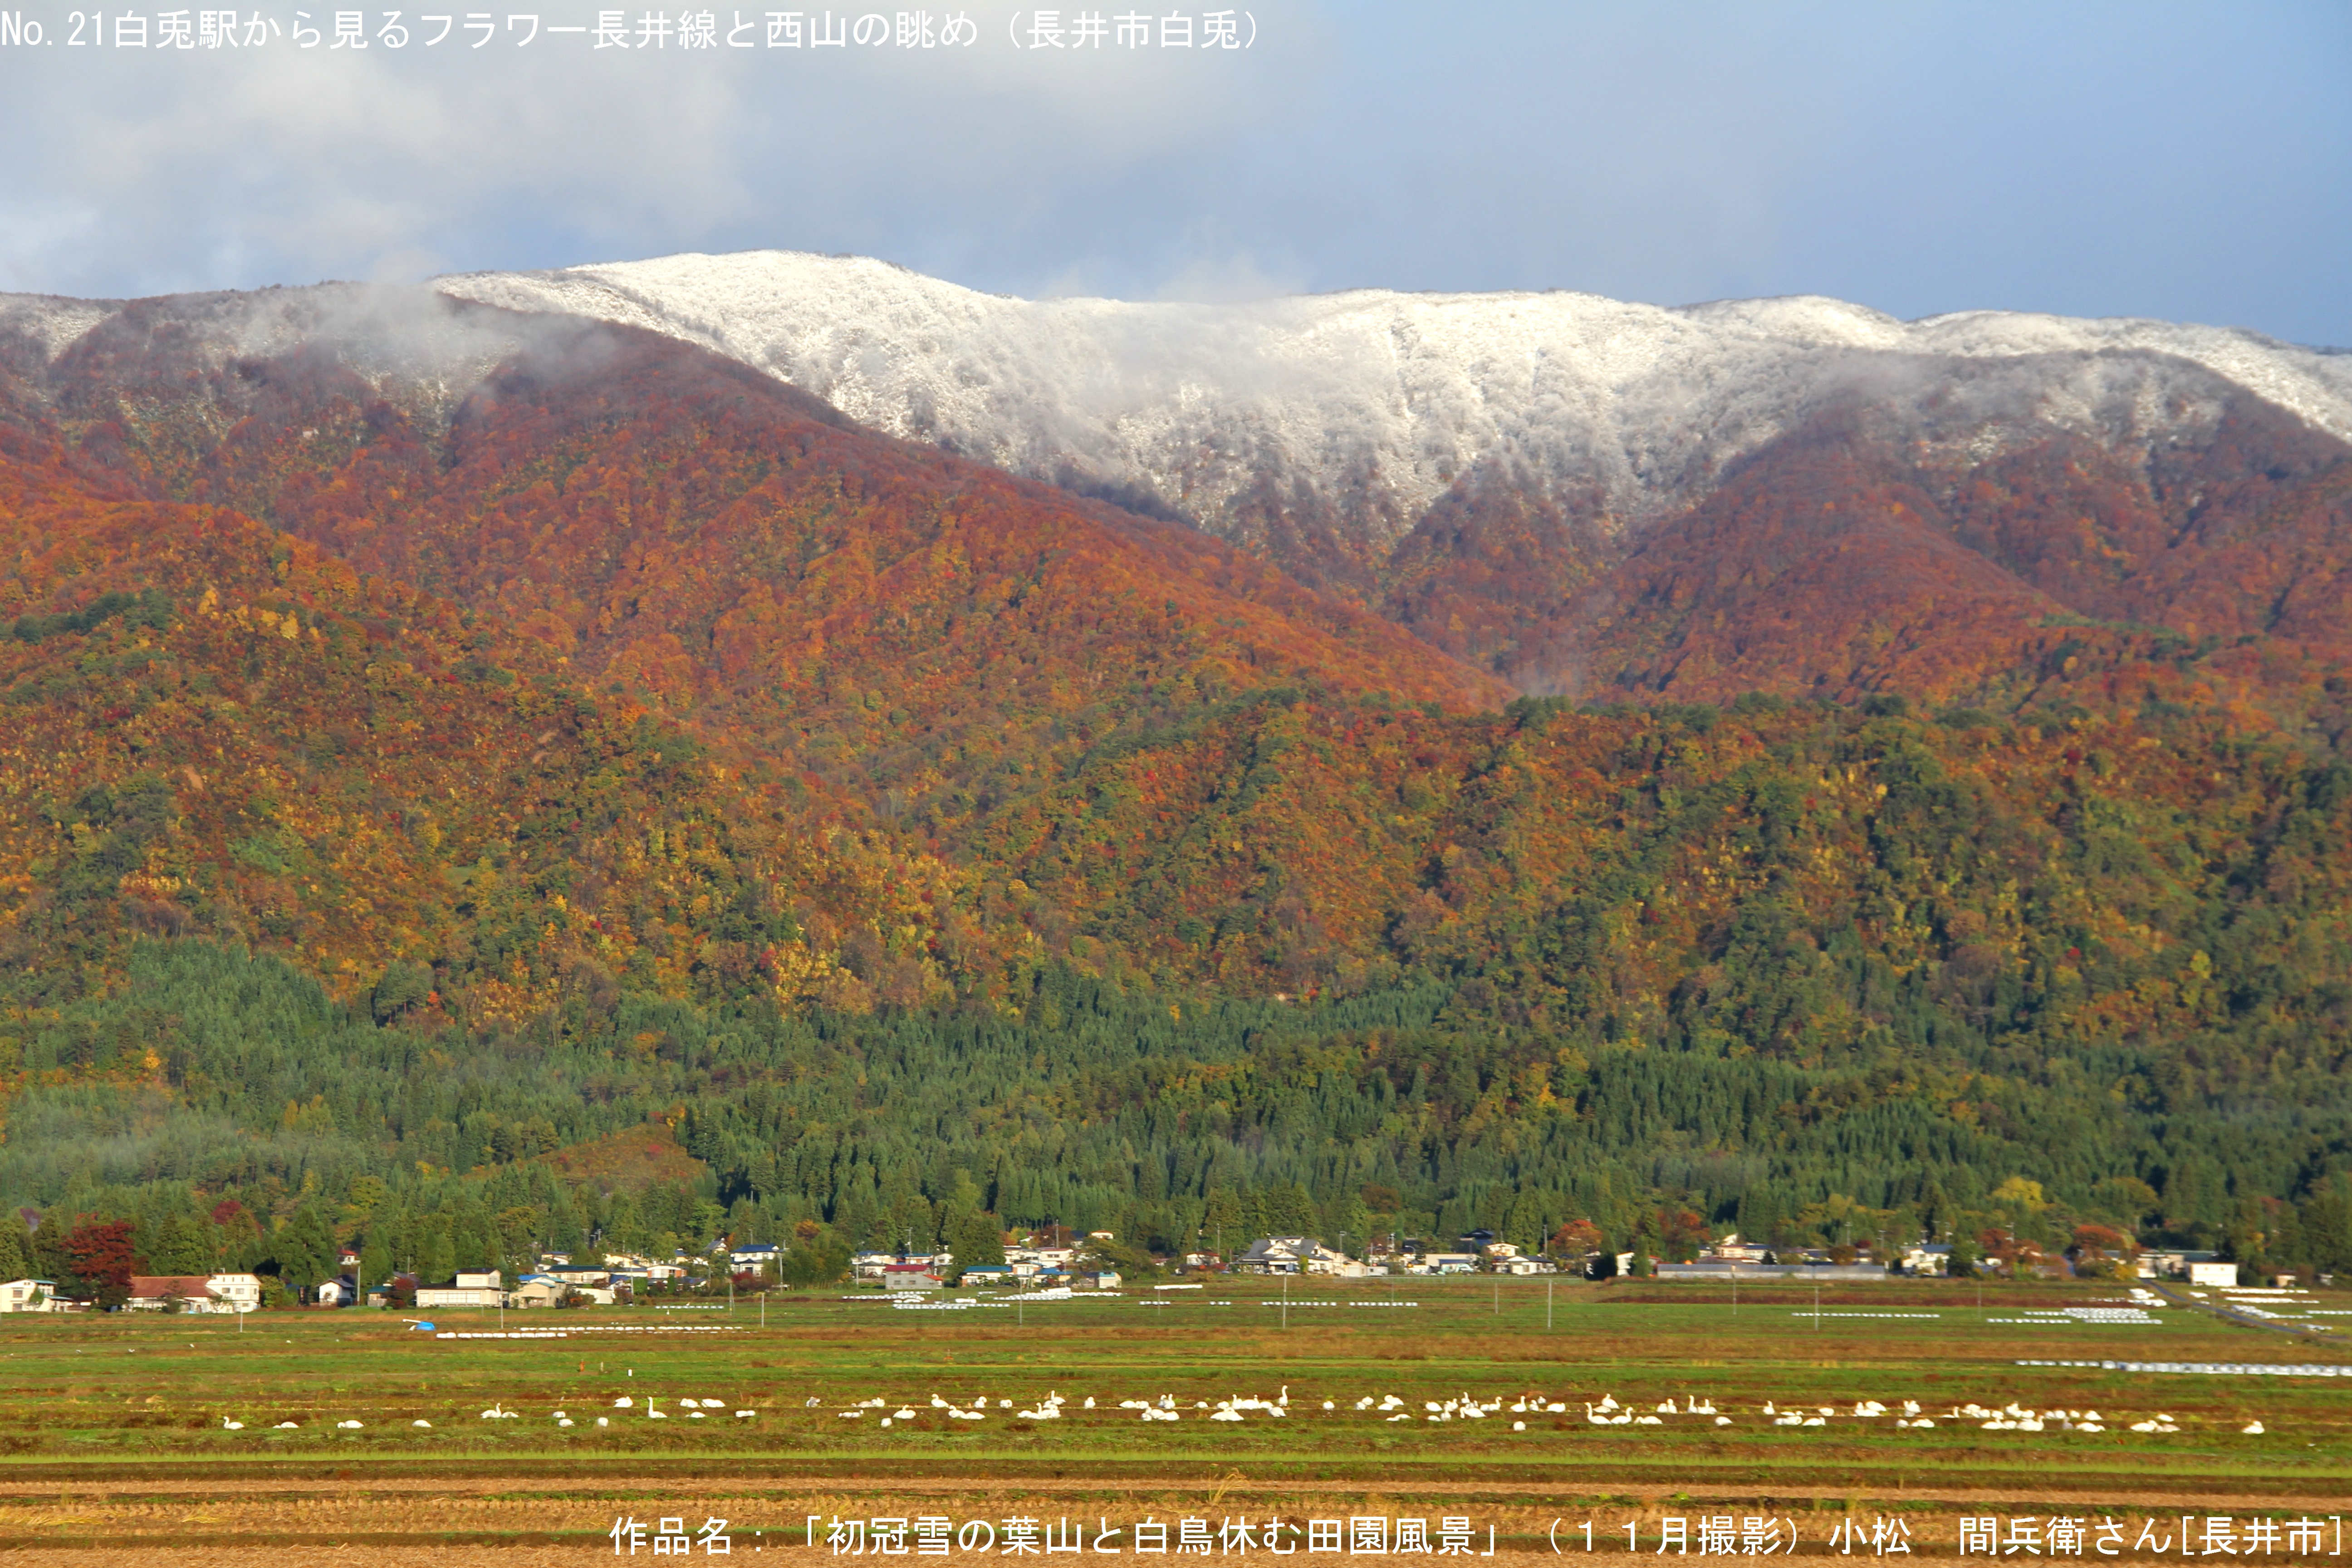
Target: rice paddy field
{"type": "Point", "coordinates": [1461, 1418]}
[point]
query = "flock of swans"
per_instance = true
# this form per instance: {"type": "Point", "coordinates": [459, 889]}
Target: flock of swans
{"type": "Point", "coordinates": [1607, 1412]}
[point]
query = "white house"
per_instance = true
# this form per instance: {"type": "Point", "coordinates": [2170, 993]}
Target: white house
{"type": "Point", "coordinates": [237, 1292]}
{"type": "Point", "coordinates": [581, 1276]}
{"type": "Point", "coordinates": [475, 1288]}
{"type": "Point", "coordinates": [755, 1254]}
{"type": "Point", "coordinates": [2222, 1274]}
{"type": "Point", "coordinates": [159, 1292]}
{"type": "Point", "coordinates": [1294, 1255]}
{"type": "Point", "coordinates": [1925, 1258]}
{"type": "Point", "coordinates": [1028, 1260]}
{"type": "Point", "coordinates": [27, 1296]}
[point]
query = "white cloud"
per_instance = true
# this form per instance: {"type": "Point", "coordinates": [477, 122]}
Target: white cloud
{"type": "Point", "coordinates": [1919, 159]}
{"type": "Point", "coordinates": [186, 169]}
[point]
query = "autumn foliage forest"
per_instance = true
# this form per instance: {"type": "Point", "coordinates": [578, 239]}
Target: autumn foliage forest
{"type": "Point", "coordinates": [408, 791]}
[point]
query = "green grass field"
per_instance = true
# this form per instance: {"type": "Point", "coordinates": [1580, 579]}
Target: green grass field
{"type": "Point", "coordinates": [133, 1407]}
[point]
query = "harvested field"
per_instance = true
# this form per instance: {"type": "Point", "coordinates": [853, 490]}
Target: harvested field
{"type": "Point", "coordinates": [1637, 1405]}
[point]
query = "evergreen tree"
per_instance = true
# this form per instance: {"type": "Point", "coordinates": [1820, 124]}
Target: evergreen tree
{"type": "Point", "coordinates": [1222, 1221]}
{"type": "Point", "coordinates": [305, 1249]}
{"type": "Point", "coordinates": [1647, 1240]}
{"type": "Point", "coordinates": [436, 1258]}
{"type": "Point", "coordinates": [183, 1243]}
{"type": "Point", "coordinates": [375, 1262]}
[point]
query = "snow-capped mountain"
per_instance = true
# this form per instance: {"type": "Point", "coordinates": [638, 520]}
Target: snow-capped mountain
{"type": "Point", "coordinates": [1364, 408]}
{"type": "Point", "coordinates": [1573, 494]}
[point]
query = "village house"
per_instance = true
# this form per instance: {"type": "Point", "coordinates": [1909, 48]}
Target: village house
{"type": "Point", "coordinates": [1294, 1255]}
{"type": "Point", "coordinates": [192, 1293]}
{"type": "Point", "coordinates": [163, 1292]}
{"type": "Point", "coordinates": [1027, 1261]}
{"type": "Point", "coordinates": [1731, 1250]}
{"type": "Point", "coordinates": [29, 1296]}
{"type": "Point", "coordinates": [537, 1290]}
{"type": "Point", "coordinates": [474, 1288]}
{"type": "Point", "coordinates": [236, 1292]}
{"type": "Point", "coordinates": [583, 1276]}
{"type": "Point", "coordinates": [909, 1277]}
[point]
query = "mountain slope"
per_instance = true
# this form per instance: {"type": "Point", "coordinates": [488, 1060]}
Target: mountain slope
{"type": "Point", "coordinates": [1540, 486]}
{"type": "Point", "coordinates": [1843, 560]}
{"type": "Point", "coordinates": [1325, 428]}
{"type": "Point", "coordinates": [1595, 497]}
{"type": "Point", "coordinates": [439, 736]}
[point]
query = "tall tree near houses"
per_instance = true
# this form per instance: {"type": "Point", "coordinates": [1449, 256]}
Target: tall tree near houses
{"type": "Point", "coordinates": [15, 1253]}
{"type": "Point", "coordinates": [183, 1243]}
{"type": "Point", "coordinates": [305, 1249]}
{"type": "Point", "coordinates": [101, 1257]}
{"type": "Point", "coordinates": [375, 1261]}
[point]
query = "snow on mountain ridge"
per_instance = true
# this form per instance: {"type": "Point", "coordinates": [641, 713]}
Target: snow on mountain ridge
{"type": "Point", "coordinates": [1377, 398]}
{"type": "Point", "coordinates": [52, 320]}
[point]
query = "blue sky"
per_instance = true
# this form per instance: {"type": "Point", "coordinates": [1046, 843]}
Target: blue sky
{"type": "Point", "coordinates": [2192, 163]}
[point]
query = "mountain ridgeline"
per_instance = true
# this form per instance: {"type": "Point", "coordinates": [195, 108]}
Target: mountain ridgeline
{"type": "Point", "coordinates": [444, 740]}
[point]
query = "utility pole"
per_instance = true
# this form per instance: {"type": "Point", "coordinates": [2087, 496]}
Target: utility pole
{"type": "Point", "coordinates": [1547, 1306]}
